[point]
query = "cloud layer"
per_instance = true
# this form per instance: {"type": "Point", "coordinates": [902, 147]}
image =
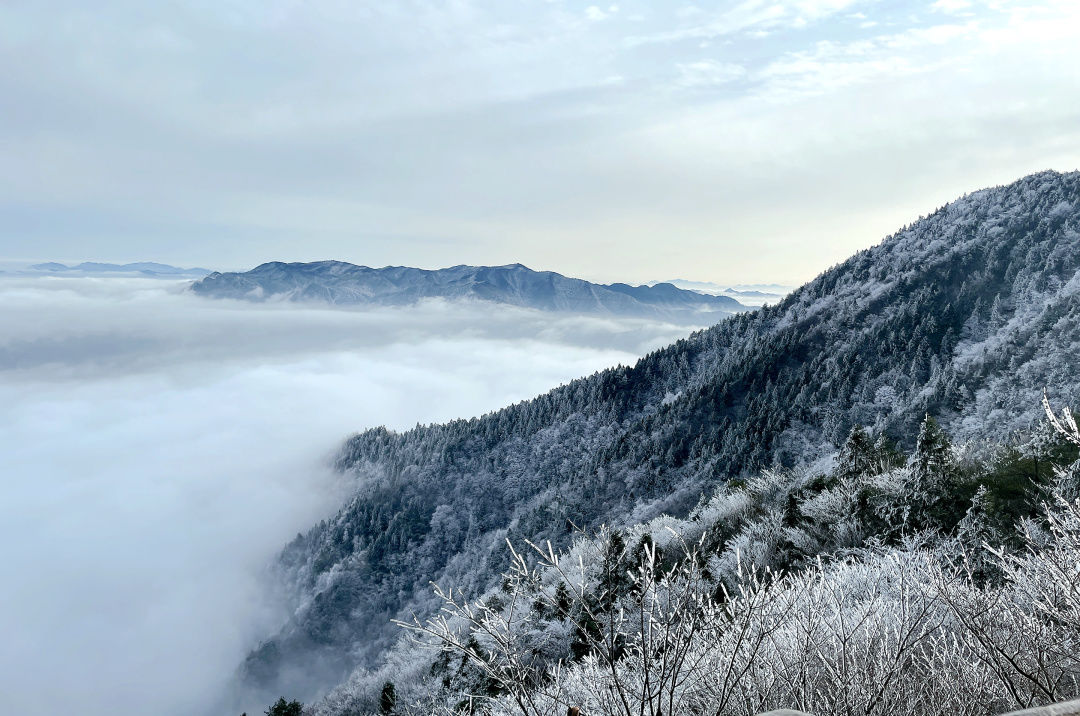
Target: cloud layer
{"type": "Point", "coordinates": [156, 450]}
{"type": "Point", "coordinates": [733, 142]}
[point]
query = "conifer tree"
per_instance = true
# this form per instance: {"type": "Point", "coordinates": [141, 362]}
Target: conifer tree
{"type": "Point", "coordinates": [387, 699]}
{"type": "Point", "coordinates": [285, 708]}
{"type": "Point", "coordinates": [933, 451]}
{"type": "Point", "coordinates": [939, 501]}
{"type": "Point", "coordinates": [857, 454]}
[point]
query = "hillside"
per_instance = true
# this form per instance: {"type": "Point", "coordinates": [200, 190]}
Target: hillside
{"type": "Point", "coordinates": [966, 314]}
{"type": "Point", "coordinates": [340, 283]}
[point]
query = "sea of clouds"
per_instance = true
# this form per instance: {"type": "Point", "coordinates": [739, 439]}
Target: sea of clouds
{"type": "Point", "coordinates": [157, 449]}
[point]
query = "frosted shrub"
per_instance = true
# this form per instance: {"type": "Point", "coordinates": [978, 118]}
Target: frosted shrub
{"type": "Point", "coordinates": [884, 621]}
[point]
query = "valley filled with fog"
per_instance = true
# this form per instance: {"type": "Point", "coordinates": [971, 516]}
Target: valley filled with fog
{"type": "Point", "coordinates": [158, 449]}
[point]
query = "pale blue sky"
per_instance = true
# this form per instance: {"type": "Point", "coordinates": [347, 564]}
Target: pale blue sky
{"type": "Point", "coordinates": [741, 141]}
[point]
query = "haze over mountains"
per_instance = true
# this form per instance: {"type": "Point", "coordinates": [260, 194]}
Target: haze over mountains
{"type": "Point", "coordinates": [966, 315]}
{"type": "Point", "coordinates": [139, 268]}
{"type": "Point", "coordinates": [754, 294]}
{"type": "Point", "coordinates": [341, 283]}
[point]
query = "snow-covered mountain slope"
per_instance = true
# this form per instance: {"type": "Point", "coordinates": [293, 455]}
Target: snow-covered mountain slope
{"type": "Point", "coordinates": [966, 314]}
{"type": "Point", "coordinates": [337, 282]}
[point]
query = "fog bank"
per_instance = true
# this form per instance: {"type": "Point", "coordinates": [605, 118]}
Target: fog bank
{"type": "Point", "coordinates": [157, 449]}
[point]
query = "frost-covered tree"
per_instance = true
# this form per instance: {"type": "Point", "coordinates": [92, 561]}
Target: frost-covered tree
{"type": "Point", "coordinates": [857, 455]}
{"type": "Point", "coordinates": [880, 340]}
{"type": "Point", "coordinates": [897, 623]}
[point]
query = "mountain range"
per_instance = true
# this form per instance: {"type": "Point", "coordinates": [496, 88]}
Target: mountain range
{"type": "Point", "coordinates": [141, 268]}
{"type": "Point", "coordinates": [340, 283]}
{"type": "Point", "coordinates": [966, 315]}
{"type": "Point", "coordinates": [746, 294]}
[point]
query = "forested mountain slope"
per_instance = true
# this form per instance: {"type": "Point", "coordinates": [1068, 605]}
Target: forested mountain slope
{"type": "Point", "coordinates": [966, 315]}
{"type": "Point", "coordinates": [337, 282]}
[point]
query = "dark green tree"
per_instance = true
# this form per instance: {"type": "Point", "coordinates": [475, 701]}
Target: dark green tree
{"type": "Point", "coordinates": [614, 578]}
{"type": "Point", "coordinates": [563, 600]}
{"type": "Point", "coordinates": [857, 454]}
{"type": "Point", "coordinates": [285, 708]}
{"type": "Point", "coordinates": [933, 451]}
{"type": "Point", "coordinates": [388, 698]}
{"type": "Point", "coordinates": [941, 496]}
{"type": "Point", "coordinates": [887, 455]}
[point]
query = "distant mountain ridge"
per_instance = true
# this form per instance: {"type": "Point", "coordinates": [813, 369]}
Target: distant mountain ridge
{"type": "Point", "coordinates": [966, 315]}
{"type": "Point", "coordinates": [146, 268]}
{"type": "Point", "coordinates": [341, 283]}
{"type": "Point", "coordinates": [746, 294]}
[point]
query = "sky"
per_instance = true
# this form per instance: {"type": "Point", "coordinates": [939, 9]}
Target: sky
{"type": "Point", "coordinates": [734, 142]}
{"type": "Point", "coordinates": [158, 449]}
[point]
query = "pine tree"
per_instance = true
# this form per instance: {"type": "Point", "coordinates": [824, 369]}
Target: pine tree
{"type": "Point", "coordinates": [387, 699]}
{"type": "Point", "coordinates": [939, 500]}
{"type": "Point", "coordinates": [857, 455]}
{"type": "Point", "coordinates": [997, 314]}
{"type": "Point", "coordinates": [975, 326]}
{"type": "Point", "coordinates": [933, 451]}
{"type": "Point", "coordinates": [614, 578]}
{"type": "Point", "coordinates": [886, 455]}
{"type": "Point", "coordinates": [285, 708]}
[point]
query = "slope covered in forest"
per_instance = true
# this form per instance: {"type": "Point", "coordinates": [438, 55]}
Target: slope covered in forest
{"type": "Point", "coordinates": [966, 315]}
